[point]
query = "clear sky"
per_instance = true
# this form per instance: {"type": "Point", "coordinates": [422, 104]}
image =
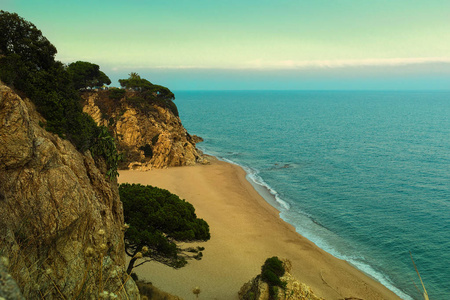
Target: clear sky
{"type": "Point", "coordinates": [247, 44]}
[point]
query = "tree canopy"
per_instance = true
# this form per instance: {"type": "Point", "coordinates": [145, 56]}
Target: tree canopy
{"type": "Point", "coordinates": [18, 36]}
{"type": "Point", "coordinates": [87, 75]}
{"type": "Point", "coordinates": [135, 82]}
{"type": "Point", "coordinates": [27, 64]}
{"type": "Point", "coordinates": [158, 220]}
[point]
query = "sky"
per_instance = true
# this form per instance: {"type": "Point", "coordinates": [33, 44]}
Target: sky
{"type": "Point", "coordinates": [247, 44]}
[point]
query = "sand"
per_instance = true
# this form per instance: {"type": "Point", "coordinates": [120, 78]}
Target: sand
{"type": "Point", "coordinates": [245, 231]}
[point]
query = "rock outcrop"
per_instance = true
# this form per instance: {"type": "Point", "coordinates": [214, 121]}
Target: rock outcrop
{"type": "Point", "coordinates": [257, 289]}
{"type": "Point", "coordinates": [61, 219]}
{"type": "Point", "coordinates": [154, 138]}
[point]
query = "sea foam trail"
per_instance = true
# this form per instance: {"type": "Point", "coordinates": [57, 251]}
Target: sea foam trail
{"type": "Point", "coordinates": [258, 183]}
{"type": "Point", "coordinates": [273, 197]}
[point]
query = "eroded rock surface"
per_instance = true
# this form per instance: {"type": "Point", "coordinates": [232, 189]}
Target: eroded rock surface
{"type": "Point", "coordinates": [153, 139]}
{"type": "Point", "coordinates": [61, 220]}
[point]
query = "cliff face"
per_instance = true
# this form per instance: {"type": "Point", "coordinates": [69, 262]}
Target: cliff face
{"type": "Point", "coordinates": [61, 220]}
{"type": "Point", "coordinates": [150, 138]}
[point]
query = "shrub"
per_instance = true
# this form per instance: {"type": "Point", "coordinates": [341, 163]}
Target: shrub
{"type": "Point", "coordinates": [275, 265]}
{"type": "Point", "coordinates": [158, 220]}
{"type": "Point", "coordinates": [271, 272]}
{"type": "Point", "coordinates": [116, 94]}
{"type": "Point", "coordinates": [145, 94]}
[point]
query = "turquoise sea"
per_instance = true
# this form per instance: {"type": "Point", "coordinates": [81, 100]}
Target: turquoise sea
{"type": "Point", "coordinates": [364, 175]}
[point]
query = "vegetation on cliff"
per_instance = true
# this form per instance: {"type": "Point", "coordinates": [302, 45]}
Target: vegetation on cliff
{"type": "Point", "coordinates": [27, 64]}
{"type": "Point", "coordinates": [87, 75]}
{"type": "Point", "coordinates": [144, 124]}
{"type": "Point", "coordinates": [148, 94]}
{"type": "Point", "coordinates": [275, 282]}
{"type": "Point", "coordinates": [271, 272]}
{"type": "Point", "coordinates": [157, 221]}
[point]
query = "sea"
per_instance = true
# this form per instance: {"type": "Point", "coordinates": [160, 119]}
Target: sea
{"type": "Point", "coordinates": [365, 175]}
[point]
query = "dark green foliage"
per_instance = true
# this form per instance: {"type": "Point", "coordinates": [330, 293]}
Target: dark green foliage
{"type": "Point", "coordinates": [158, 219]}
{"type": "Point", "coordinates": [135, 82]}
{"type": "Point", "coordinates": [18, 36]}
{"type": "Point", "coordinates": [87, 75]}
{"type": "Point", "coordinates": [274, 265]}
{"type": "Point", "coordinates": [27, 64]}
{"type": "Point", "coordinates": [271, 272]}
{"type": "Point", "coordinates": [147, 94]}
{"type": "Point", "coordinates": [116, 94]}
{"type": "Point", "coordinates": [106, 147]}
{"type": "Point", "coordinates": [139, 103]}
{"type": "Point", "coordinates": [148, 152]}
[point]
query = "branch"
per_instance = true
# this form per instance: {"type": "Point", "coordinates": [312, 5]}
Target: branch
{"type": "Point", "coordinates": [145, 261]}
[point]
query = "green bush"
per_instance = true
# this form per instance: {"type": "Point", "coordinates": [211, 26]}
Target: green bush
{"type": "Point", "coordinates": [158, 220]}
{"type": "Point", "coordinates": [116, 94]}
{"type": "Point", "coordinates": [146, 94]}
{"type": "Point", "coordinates": [271, 278]}
{"type": "Point", "coordinates": [275, 265]}
{"type": "Point", "coordinates": [87, 75]}
{"type": "Point", "coordinates": [271, 272]}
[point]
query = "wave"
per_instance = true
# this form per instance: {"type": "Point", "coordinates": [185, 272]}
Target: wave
{"type": "Point", "coordinates": [309, 227]}
{"type": "Point", "coordinates": [255, 179]}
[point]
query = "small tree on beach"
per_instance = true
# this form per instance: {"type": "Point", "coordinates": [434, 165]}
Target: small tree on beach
{"type": "Point", "coordinates": [158, 221]}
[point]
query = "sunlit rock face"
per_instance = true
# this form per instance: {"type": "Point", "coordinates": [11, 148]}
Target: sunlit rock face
{"type": "Point", "coordinates": [61, 219]}
{"type": "Point", "coordinates": [153, 139]}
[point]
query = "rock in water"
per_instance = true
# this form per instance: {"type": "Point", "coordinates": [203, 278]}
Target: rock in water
{"type": "Point", "coordinates": [61, 220]}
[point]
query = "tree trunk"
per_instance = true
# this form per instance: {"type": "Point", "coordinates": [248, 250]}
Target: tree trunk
{"type": "Point", "coordinates": [131, 265]}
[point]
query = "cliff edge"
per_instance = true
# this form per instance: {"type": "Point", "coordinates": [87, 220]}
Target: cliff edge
{"type": "Point", "coordinates": [61, 219]}
{"type": "Point", "coordinates": [148, 132]}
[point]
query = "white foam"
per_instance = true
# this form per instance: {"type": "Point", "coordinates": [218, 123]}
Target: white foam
{"type": "Point", "coordinates": [384, 280]}
{"type": "Point", "coordinates": [304, 228]}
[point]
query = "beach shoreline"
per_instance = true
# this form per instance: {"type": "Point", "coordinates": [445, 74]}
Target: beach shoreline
{"type": "Point", "coordinates": [245, 230]}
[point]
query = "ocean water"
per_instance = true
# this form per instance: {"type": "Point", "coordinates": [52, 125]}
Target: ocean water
{"type": "Point", "coordinates": [364, 175]}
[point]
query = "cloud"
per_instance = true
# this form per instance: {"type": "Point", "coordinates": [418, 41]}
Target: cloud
{"type": "Point", "coordinates": [298, 65]}
{"type": "Point", "coordinates": [343, 63]}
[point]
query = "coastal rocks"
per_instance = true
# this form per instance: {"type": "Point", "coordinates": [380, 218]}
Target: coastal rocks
{"type": "Point", "coordinates": [257, 289]}
{"type": "Point", "coordinates": [61, 220]}
{"type": "Point", "coordinates": [151, 139]}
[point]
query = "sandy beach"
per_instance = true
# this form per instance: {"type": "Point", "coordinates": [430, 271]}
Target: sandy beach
{"type": "Point", "coordinates": [245, 231]}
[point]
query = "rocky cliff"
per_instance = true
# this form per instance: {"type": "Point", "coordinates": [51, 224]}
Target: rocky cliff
{"type": "Point", "coordinates": [61, 219]}
{"type": "Point", "coordinates": [149, 133]}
